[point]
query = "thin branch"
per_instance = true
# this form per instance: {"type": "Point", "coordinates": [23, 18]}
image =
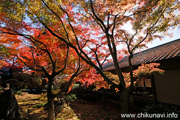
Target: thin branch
{"type": "Point", "coordinates": [92, 8]}
{"type": "Point", "coordinates": [114, 25]}
{"type": "Point", "coordinates": [88, 61]}
{"type": "Point", "coordinates": [147, 33]}
{"type": "Point", "coordinates": [34, 58]}
{"type": "Point", "coordinates": [27, 64]}
{"type": "Point", "coordinates": [130, 40]}
{"type": "Point", "coordinates": [108, 20]}
{"type": "Point", "coordinates": [97, 58]}
{"type": "Point", "coordinates": [65, 62]}
{"type": "Point", "coordinates": [118, 20]}
{"type": "Point", "coordinates": [65, 88]}
{"type": "Point", "coordinates": [35, 40]}
{"type": "Point", "coordinates": [58, 18]}
{"type": "Point", "coordinates": [99, 24]}
{"type": "Point", "coordinates": [105, 59]}
{"type": "Point", "coordinates": [76, 38]}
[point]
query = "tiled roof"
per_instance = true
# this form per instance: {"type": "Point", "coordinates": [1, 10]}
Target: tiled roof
{"type": "Point", "coordinates": [165, 51]}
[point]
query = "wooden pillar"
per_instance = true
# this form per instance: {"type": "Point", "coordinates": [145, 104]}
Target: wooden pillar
{"type": "Point", "coordinates": [153, 88]}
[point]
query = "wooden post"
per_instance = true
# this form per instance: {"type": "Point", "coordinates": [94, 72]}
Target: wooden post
{"type": "Point", "coordinates": [153, 88]}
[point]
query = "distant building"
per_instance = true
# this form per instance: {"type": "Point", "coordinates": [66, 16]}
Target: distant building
{"type": "Point", "coordinates": [166, 87]}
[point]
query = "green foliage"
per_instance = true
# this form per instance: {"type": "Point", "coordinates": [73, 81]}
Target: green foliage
{"type": "Point", "coordinates": [41, 105]}
{"type": "Point", "coordinates": [75, 86]}
{"type": "Point", "coordinates": [70, 98]}
{"type": "Point", "coordinates": [4, 49]}
{"type": "Point", "coordinates": [19, 92]}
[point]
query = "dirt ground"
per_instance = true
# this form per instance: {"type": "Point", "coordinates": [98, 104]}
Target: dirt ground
{"type": "Point", "coordinates": [28, 106]}
{"type": "Point", "coordinates": [87, 110]}
{"type": "Point", "coordinates": [31, 107]}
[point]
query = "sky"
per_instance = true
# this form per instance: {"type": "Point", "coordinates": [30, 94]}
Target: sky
{"type": "Point", "coordinates": [167, 39]}
{"type": "Point", "coordinates": [156, 42]}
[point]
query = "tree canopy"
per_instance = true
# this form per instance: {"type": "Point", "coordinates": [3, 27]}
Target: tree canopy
{"type": "Point", "coordinates": [46, 33]}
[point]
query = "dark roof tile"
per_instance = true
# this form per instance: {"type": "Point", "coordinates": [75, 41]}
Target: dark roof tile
{"type": "Point", "coordinates": [165, 51]}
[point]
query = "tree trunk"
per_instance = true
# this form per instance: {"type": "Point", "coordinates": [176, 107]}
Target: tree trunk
{"type": "Point", "coordinates": [51, 114]}
{"type": "Point", "coordinates": [104, 99]}
{"type": "Point", "coordinates": [8, 106]}
{"type": "Point", "coordinates": [131, 72]}
{"type": "Point", "coordinates": [124, 99]}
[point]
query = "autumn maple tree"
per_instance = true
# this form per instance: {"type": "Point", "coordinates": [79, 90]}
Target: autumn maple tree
{"type": "Point", "coordinates": [94, 30]}
{"type": "Point", "coordinates": [149, 19]}
{"type": "Point", "coordinates": [46, 56]}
